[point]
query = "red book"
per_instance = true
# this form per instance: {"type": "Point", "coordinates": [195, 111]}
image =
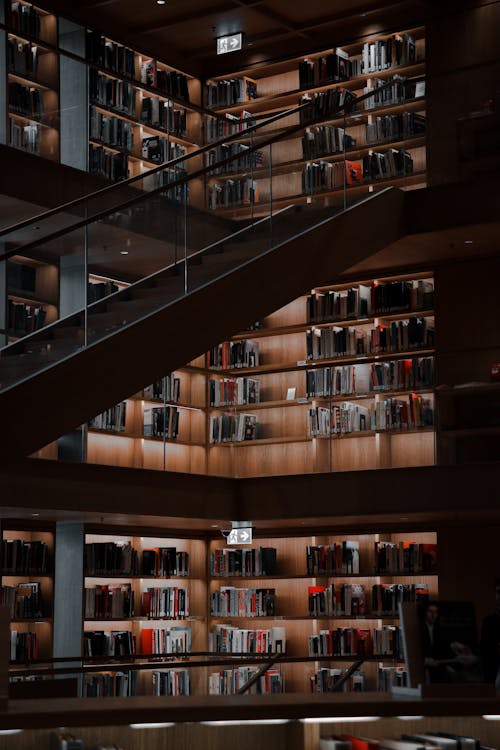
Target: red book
{"type": "Point", "coordinates": [147, 641]}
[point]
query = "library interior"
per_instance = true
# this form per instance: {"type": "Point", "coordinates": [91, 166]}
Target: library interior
{"type": "Point", "coordinates": [300, 421]}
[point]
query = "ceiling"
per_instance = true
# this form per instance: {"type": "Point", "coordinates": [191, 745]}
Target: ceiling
{"type": "Point", "coordinates": [183, 32]}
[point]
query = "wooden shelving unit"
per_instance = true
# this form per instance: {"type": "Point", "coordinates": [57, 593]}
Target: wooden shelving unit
{"type": "Point", "coordinates": [291, 583]}
{"type": "Point", "coordinates": [32, 80]}
{"type": "Point", "coordinates": [195, 583]}
{"type": "Point", "coordinates": [41, 627]}
{"type": "Point", "coordinates": [178, 130]}
{"type": "Point", "coordinates": [283, 443]}
{"type": "Point", "coordinates": [278, 87]}
{"type": "Point", "coordinates": [31, 297]}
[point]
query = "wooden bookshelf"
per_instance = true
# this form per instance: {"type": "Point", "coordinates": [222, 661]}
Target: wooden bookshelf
{"type": "Point", "coordinates": [284, 443]}
{"type": "Point", "coordinates": [31, 297]}
{"type": "Point", "coordinates": [291, 586]}
{"type": "Point", "coordinates": [278, 87]}
{"type": "Point", "coordinates": [290, 583]}
{"type": "Point", "coordinates": [195, 584]}
{"type": "Point", "coordinates": [32, 80]}
{"type": "Point", "coordinates": [17, 575]}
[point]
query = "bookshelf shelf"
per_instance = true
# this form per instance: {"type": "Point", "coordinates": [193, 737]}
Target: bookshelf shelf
{"type": "Point", "coordinates": [266, 104]}
{"type": "Point", "coordinates": [314, 363]}
{"type": "Point", "coordinates": [353, 153]}
{"type": "Point", "coordinates": [394, 120]}
{"type": "Point", "coordinates": [308, 618]}
{"type": "Point", "coordinates": [413, 178]}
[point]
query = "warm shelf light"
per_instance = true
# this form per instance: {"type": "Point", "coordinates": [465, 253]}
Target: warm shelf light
{"type": "Point", "coordinates": [243, 722]}
{"type": "Point", "coordinates": [338, 719]}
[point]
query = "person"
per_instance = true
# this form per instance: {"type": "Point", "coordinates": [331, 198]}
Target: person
{"type": "Point", "coordinates": [446, 659]}
{"type": "Point", "coordinates": [490, 641]}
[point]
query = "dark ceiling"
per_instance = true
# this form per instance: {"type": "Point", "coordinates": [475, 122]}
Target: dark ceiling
{"type": "Point", "coordinates": [183, 32]}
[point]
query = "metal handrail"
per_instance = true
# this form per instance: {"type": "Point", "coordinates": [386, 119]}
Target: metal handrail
{"type": "Point", "coordinates": [346, 107]}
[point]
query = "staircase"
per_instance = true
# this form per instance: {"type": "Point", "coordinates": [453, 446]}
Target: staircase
{"type": "Point", "coordinates": [82, 364]}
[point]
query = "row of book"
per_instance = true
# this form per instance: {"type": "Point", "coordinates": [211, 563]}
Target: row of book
{"type": "Point", "coordinates": [169, 82]}
{"type": "Point", "coordinates": [245, 160]}
{"type": "Point", "coordinates": [391, 414]}
{"type": "Point", "coordinates": [106, 602]}
{"type": "Point", "coordinates": [120, 558]}
{"type": "Point", "coordinates": [234, 391]}
{"type": "Point", "coordinates": [228, 124]}
{"type": "Point", "coordinates": [229, 601]}
{"type": "Point", "coordinates": [232, 428]}
{"type": "Point", "coordinates": [395, 127]}
{"type": "Point", "coordinates": [375, 56]}
{"type": "Point", "coordinates": [325, 681]}
{"type": "Point", "coordinates": [232, 354]}
{"type": "Point", "coordinates": [397, 336]}
{"type": "Point", "coordinates": [405, 557]}
{"type": "Point", "coordinates": [230, 681]}
{"type": "Point", "coordinates": [325, 139]}
{"type": "Point", "coordinates": [105, 164]}
{"type": "Point", "coordinates": [380, 94]}
{"type": "Point", "coordinates": [25, 100]}
{"type": "Point", "coordinates": [162, 422]}
{"type": "Point", "coordinates": [100, 289]}
{"type": "Point", "coordinates": [337, 66]}
{"type": "Point", "coordinates": [413, 740]}
{"type": "Point", "coordinates": [23, 318]}
{"type": "Point", "coordinates": [243, 562]}
{"type": "Point", "coordinates": [387, 53]}
{"type": "Point", "coordinates": [25, 558]}
{"type": "Point", "coordinates": [342, 558]}
{"type": "Point", "coordinates": [169, 601]}
{"type": "Point", "coordinates": [24, 600]}
{"type": "Point", "coordinates": [379, 165]}
{"type": "Point", "coordinates": [112, 93]}
{"type": "Point", "coordinates": [121, 684]}
{"type": "Point", "coordinates": [226, 639]}
{"type": "Point", "coordinates": [341, 600]}
{"type": "Point", "coordinates": [325, 175]}
{"type": "Point", "coordinates": [375, 377]}
{"type": "Point", "coordinates": [334, 102]}
{"type": "Point", "coordinates": [328, 139]}
{"type": "Point", "coordinates": [174, 640]}
{"type": "Point", "coordinates": [167, 388]}
{"type": "Point", "coordinates": [363, 643]}
{"type": "Point", "coordinates": [161, 150]}
{"type": "Point", "coordinates": [164, 115]}
{"type": "Point", "coordinates": [244, 191]}
{"type": "Point", "coordinates": [113, 418]}
{"type": "Point", "coordinates": [361, 301]}
{"type": "Point", "coordinates": [337, 558]}
{"type": "Point", "coordinates": [108, 643]}
{"type": "Point", "coordinates": [387, 596]}
{"type": "Point", "coordinates": [111, 130]}
{"type": "Point", "coordinates": [229, 92]}
{"type": "Point", "coordinates": [165, 561]}
{"type": "Point", "coordinates": [25, 18]}
{"type": "Point", "coordinates": [25, 137]}
{"type": "Point", "coordinates": [171, 682]}
{"type": "Point", "coordinates": [124, 683]}
{"type": "Point", "coordinates": [107, 54]}
{"type": "Point", "coordinates": [23, 646]}
{"type": "Point", "coordinates": [22, 58]}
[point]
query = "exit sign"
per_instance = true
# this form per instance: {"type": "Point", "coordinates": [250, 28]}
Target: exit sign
{"type": "Point", "coordinates": [230, 43]}
{"type": "Point", "coordinates": [240, 536]}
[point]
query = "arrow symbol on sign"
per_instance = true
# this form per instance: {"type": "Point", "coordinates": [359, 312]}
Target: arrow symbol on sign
{"type": "Point", "coordinates": [244, 536]}
{"type": "Point", "coordinates": [233, 42]}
